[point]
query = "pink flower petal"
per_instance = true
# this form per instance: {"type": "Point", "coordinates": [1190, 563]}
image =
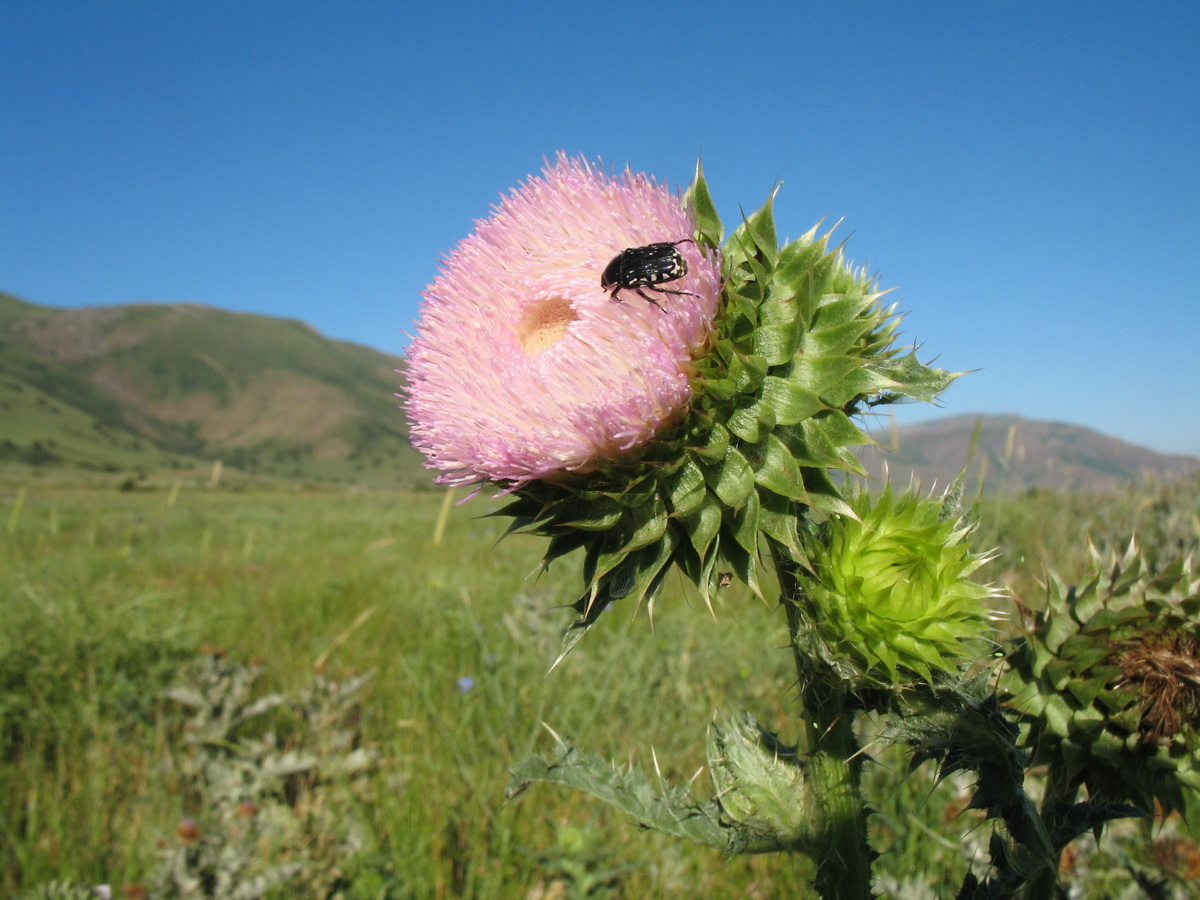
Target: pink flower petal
{"type": "Point", "coordinates": [523, 366]}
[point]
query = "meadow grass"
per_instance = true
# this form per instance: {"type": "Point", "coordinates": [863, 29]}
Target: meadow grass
{"type": "Point", "coordinates": [1041, 530]}
{"type": "Point", "coordinates": [107, 594]}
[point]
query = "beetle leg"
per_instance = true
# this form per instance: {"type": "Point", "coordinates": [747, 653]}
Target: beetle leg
{"type": "Point", "coordinates": [651, 299]}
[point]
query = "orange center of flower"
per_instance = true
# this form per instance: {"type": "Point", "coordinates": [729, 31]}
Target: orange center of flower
{"type": "Point", "coordinates": [544, 323]}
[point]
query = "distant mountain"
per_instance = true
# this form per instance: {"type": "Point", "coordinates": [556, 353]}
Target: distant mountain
{"type": "Point", "coordinates": [1011, 454]}
{"type": "Point", "coordinates": [147, 387]}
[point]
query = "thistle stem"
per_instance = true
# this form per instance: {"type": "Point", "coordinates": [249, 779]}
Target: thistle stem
{"type": "Point", "coordinates": [1059, 795]}
{"type": "Point", "coordinates": [842, 854]}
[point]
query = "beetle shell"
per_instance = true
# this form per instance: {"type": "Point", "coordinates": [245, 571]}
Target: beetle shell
{"type": "Point", "coordinates": [646, 267]}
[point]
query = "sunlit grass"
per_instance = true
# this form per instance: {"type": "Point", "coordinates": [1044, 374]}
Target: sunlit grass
{"type": "Point", "coordinates": [106, 594]}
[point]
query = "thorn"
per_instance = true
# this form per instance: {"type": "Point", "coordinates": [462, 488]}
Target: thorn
{"type": "Point", "coordinates": [554, 664]}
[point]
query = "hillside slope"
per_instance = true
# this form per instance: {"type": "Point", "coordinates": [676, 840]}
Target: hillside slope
{"type": "Point", "coordinates": [147, 386]}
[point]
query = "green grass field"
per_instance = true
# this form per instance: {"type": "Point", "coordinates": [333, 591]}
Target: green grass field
{"type": "Point", "coordinates": [108, 595]}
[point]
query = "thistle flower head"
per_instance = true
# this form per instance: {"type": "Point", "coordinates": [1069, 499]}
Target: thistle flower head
{"type": "Point", "coordinates": [682, 431]}
{"type": "Point", "coordinates": [891, 592]}
{"type": "Point", "coordinates": [523, 367]}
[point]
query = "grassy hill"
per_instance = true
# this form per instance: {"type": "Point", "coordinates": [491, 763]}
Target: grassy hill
{"type": "Point", "coordinates": [147, 387]}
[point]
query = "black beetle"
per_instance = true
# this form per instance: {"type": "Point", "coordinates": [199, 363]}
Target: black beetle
{"type": "Point", "coordinates": [646, 267]}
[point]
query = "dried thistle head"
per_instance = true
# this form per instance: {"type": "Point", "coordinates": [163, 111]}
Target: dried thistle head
{"type": "Point", "coordinates": [1164, 667]}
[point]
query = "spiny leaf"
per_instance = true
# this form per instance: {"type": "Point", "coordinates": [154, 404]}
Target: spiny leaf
{"type": "Point", "coordinates": [700, 202]}
{"type": "Point", "coordinates": [668, 809]}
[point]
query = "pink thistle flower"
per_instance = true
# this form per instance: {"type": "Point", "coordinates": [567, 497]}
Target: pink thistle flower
{"type": "Point", "coordinates": [523, 368]}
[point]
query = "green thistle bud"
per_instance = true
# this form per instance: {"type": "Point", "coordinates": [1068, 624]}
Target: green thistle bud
{"type": "Point", "coordinates": [888, 596]}
{"type": "Point", "coordinates": [1107, 680]}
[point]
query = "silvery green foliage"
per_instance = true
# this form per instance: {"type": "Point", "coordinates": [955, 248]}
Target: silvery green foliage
{"type": "Point", "coordinates": [762, 788]}
{"type": "Point", "coordinates": [65, 889]}
{"type": "Point", "coordinates": [271, 809]}
{"type": "Point", "coordinates": [665, 808]}
{"type": "Point", "coordinates": [757, 804]}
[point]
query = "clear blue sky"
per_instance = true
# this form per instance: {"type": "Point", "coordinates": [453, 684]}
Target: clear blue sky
{"type": "Point", "coordinates": [1026, 174]}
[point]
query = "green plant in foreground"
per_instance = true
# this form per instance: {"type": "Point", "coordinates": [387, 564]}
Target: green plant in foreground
{"type": "Point", "coordinates": [270, 812]}
{"type": "Point", "coordinates": [887, 592]}
{"type": "Point", "coordinates": [705, 429]}
{"type": "Point", "coordinates": [1107, 679]}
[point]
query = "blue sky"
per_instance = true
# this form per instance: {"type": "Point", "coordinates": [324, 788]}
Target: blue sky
{"type": "Point", "coordinates": [1026, 174]}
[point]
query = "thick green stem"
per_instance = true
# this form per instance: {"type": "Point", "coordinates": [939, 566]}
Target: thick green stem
{"type": "Point", "coordinates": [842, 854]}
{"type": "Point", "coordinates": [1059, 796]}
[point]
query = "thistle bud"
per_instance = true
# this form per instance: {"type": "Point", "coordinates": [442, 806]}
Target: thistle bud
{"type": "Point", "coordinates": [889, 593]}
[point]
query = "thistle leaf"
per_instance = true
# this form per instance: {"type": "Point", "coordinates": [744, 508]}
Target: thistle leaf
{"type": "Point", "coordinates": [668, 809]}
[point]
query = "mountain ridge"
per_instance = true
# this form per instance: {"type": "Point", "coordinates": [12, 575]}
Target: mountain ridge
{"type": "Point", "coordinates": [1006, 452]}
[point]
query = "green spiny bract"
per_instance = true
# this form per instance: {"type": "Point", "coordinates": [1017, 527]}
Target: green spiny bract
{"type": "Point", "coordinates": [888, 596]}
{"type": "Point", "coordinates": [1107, 680]}
{"type": "Point", "coordinates": [800, 345]}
